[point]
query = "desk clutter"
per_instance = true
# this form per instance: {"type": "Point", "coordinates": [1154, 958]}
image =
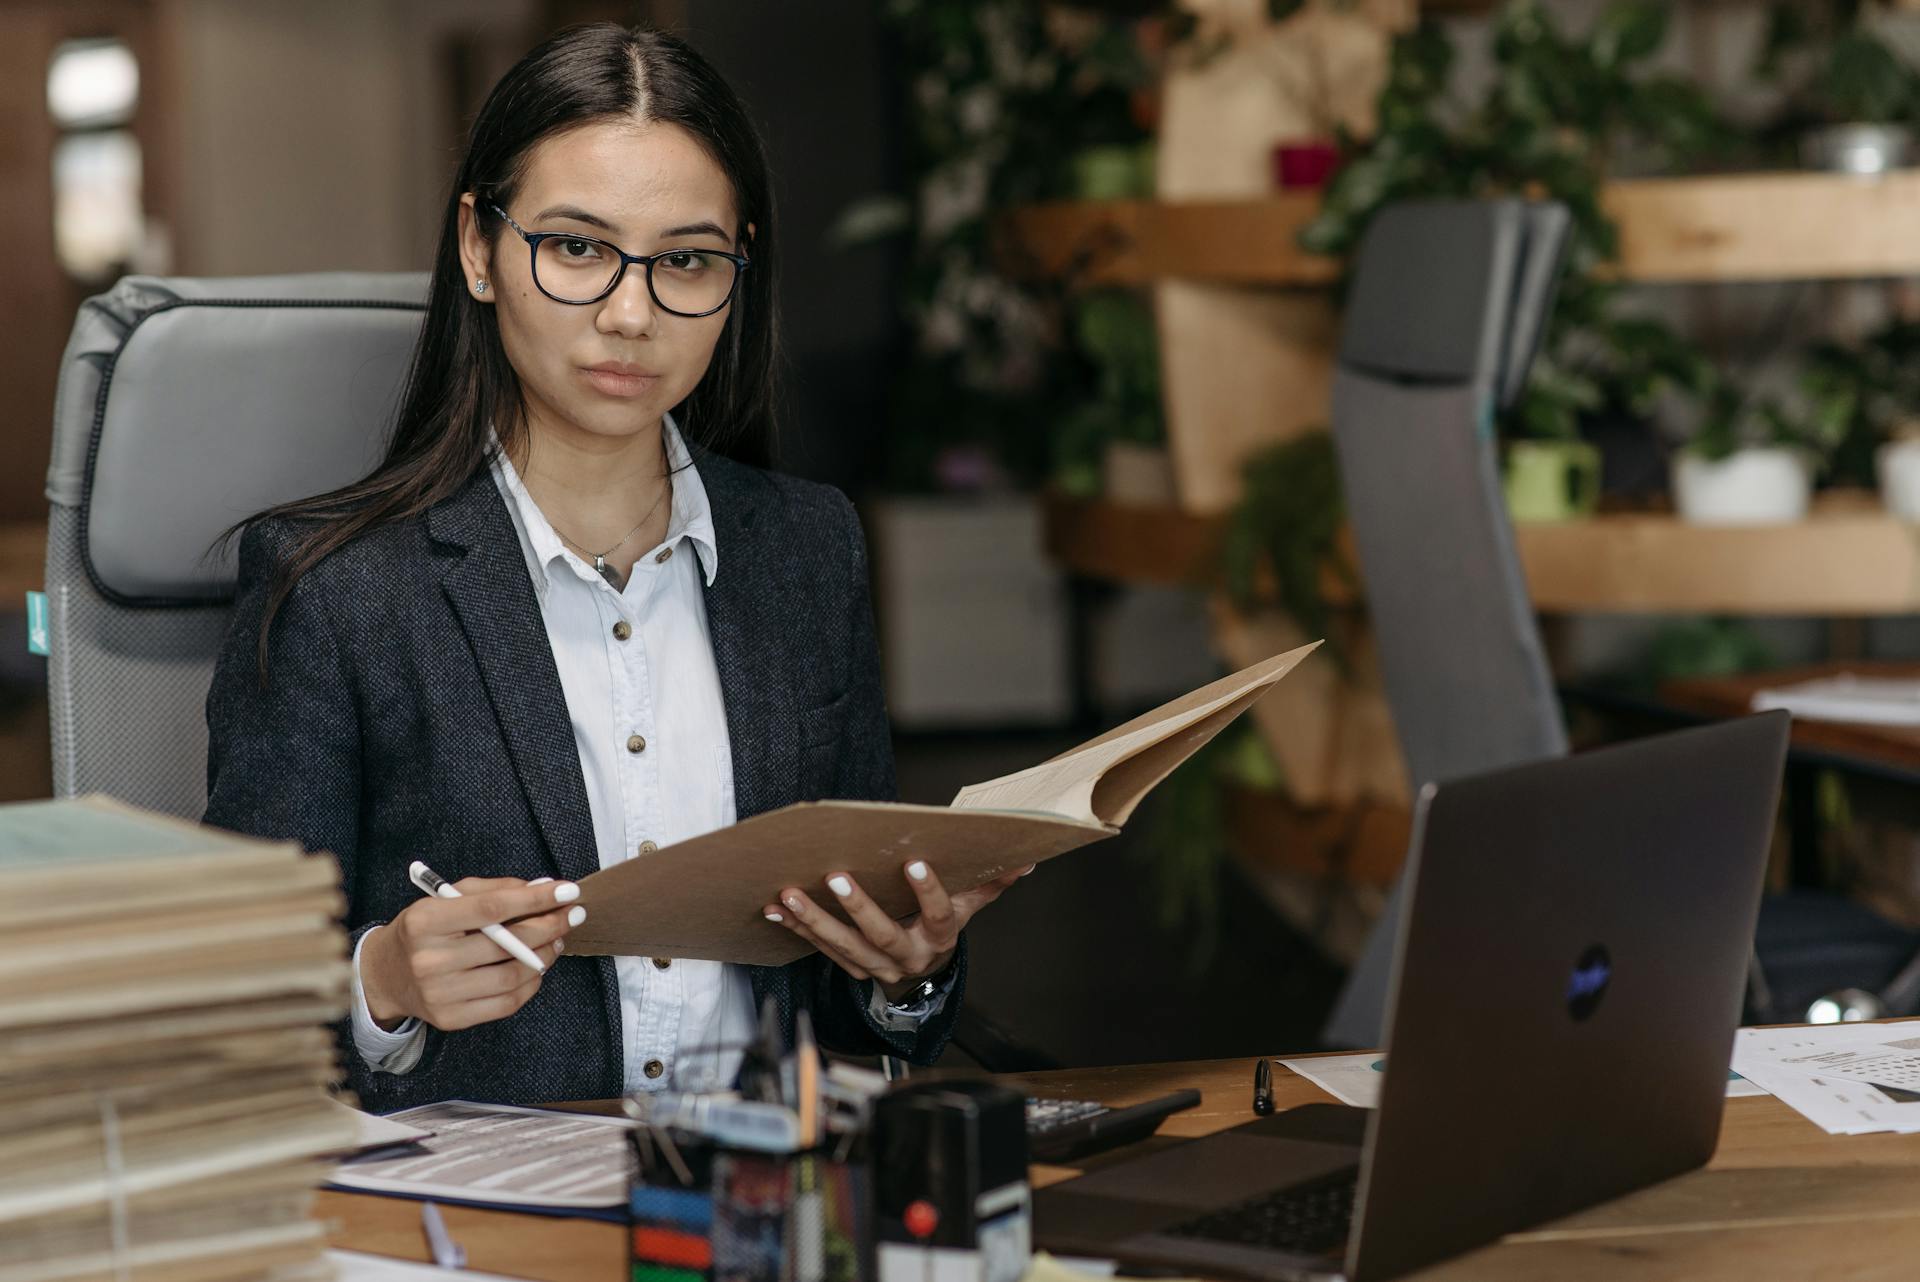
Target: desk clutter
{"type": "Point", "coordinates": [812, 1174]}
{"type": "Point", "coordinates": [164, 1049]}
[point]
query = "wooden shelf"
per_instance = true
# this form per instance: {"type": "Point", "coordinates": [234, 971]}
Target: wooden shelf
{"type": "Point", "coordinates": [1829, 564]}
{"type": "Point", "coordinates": [1834, 563]}
{"type": "Point", "coordinates": [1135, 543]}
{"type": "Point", "coordinates": [1740, 227]}
{"type": "Point", "coordinates": [1361, 845]}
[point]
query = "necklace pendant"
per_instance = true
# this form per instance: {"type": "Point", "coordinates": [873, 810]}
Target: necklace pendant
{"type": "Point", "coordinates": [607, 572]}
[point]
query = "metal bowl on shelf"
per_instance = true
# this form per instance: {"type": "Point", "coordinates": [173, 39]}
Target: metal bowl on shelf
{"type": "Point", "coordinates": [1867, 150]}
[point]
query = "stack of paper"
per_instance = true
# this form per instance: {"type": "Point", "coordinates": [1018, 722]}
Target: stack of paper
{"type": "Point", "coordinates": [164, 1055]}
{"type": "Point", "coordinates": [1849, 1079]}
{"type": "Point", "coordinates": [1881, 701]}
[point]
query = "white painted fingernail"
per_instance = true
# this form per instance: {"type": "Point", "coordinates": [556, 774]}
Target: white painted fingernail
{"type": "Point", "coordinates": [840, 886]}
{"type": "Point", "coordinates": [565, 893]}
{"type": "Point", "coordinates": [1029, 868]}
{"type": "Point", "coordinates": [917, 870]}
{"type": "Point", "coordinates": [576, 915]}
{"type": "Point", "coordinates": [540, 881]}
{"type": "Point", "coordinates": [775, 917]}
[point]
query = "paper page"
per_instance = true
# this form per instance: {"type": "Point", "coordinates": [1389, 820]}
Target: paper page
{"type": "Point", "coordinates": [82, 828]}
{"type": "Point", "coordinates": [1065, 785]}
{"type": "Point", "coordinates": [1822, 1071]}
{"type": "Point", "coordinates": [1355, 1079]}
{"type": "Point", "coordinates": [504, 1155]}
{"type": "Point", "coordinates": [352, 1266]}
{"type": "Point", "coordinates": [1885, 701]}
{"type": "Point", "coordinates": [377, 1132]}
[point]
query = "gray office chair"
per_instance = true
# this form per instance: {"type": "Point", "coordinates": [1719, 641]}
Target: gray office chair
{"type": "Point", "coordinates": [1446, 310]}
{"type": "Point", "coordinates": [183, 406]}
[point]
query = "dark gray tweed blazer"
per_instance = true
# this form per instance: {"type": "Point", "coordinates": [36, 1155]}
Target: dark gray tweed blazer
{"type": "Point", "coordinates": [413, 711]}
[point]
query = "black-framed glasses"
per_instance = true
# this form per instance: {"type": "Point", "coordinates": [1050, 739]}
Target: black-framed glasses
{"type": "Point", "coordinates": [575, 269]}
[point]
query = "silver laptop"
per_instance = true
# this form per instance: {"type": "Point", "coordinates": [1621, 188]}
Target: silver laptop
{"type": "Point", "coordinates": [1565, 991]}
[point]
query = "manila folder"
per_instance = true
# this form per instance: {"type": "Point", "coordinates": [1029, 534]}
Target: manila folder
{"type": "Point", "coordinates": [704, 898]}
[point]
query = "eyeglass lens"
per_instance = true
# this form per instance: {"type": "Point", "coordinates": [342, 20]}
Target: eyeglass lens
{"type": "Point", "coordinates": [578, 270]}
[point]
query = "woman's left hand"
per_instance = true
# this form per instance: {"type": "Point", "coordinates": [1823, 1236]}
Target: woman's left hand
{"type": "Point", "coordinates": [895, 954]}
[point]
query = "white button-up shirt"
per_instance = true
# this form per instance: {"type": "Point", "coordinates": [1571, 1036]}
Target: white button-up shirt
{"type": "Point", "coordinates": [651, 730]}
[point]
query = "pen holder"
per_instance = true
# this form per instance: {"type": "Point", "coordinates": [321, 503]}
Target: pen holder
{"type": "Point", "coordinates": [725, 1214]}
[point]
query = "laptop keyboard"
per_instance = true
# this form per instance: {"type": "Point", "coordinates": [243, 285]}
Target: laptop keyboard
{"type": "Point", "coordinates": [1312, 1218]}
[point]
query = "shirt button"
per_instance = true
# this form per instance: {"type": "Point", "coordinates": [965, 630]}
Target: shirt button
{"type": "Point", "coordinates": [636, 744]}
{"type": "Point", "coordinates": [664, 554]}
{"type": "Point", "coordinates": [648, 847]}
{"type": "Point", "coordinates": [654, 1068]}
{"type": "Point", "coordinates": [661, 963]}
{"type": "Point", "coordinates": [622, 630]}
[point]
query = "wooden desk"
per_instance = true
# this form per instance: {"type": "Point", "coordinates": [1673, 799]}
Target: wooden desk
{"type": "Point", "coordinates": [1781, 1199]}
{"type": "Point", "coordinates": [1895, 749]}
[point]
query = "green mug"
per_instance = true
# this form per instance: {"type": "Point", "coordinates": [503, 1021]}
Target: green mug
{"type": "Point", "coordinates": [1552, 480]}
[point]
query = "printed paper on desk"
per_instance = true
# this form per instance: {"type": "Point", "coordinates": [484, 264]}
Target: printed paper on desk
{"type": "Point", "coordinates": [1825, 1073]}
{"type": "Point", "coordinates": [703, 898]}
{"type": "Point", "coordinates": [525, 1158]}
{"type": "Point", "coordinates": [1355, 1080]}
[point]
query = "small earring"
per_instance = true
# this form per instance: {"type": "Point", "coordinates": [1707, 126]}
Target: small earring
{"type": "Point", "coordinates": [479, 286]}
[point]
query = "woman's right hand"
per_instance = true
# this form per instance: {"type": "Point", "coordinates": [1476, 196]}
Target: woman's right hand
{"type": "Point", "coordinates": [431, 962]}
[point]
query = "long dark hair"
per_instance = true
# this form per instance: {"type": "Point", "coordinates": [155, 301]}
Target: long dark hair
{"type": "Point", "coordinates": [459, 380]}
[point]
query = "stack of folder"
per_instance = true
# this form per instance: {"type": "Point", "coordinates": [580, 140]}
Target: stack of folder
{"type": "Point", "coordinates": [165, 991]}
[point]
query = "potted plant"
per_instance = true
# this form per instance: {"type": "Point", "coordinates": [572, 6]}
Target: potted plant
{"type": "Point", "coordinates": [1898, 464]}
{"type": "Point", "coordinates": [1750, 462]}
{"type": "Point", "coordinates": [1553, 122]}
{"type": "Point", "coordinates": [1308, 161]}
{"type": "Point", "coordinates": [1850, 97]}
{"type": "Point", "coordinates": [1869, 394]}
{"type": "Point", "coordinates": [1113, 442]}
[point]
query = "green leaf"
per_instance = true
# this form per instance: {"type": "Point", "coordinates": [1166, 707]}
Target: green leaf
{"type": "Point", "coordinates": [1866, 81]}
{"type": "Point", "coordinates": [1626, 32]}
{"type": "Point", "coordinates": [1789, 26]}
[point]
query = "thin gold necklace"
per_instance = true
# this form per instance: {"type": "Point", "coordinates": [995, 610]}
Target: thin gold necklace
{"type": "Point", "coordinates": [606, 571]}
{"type": "Point", "coordinates": [600, 565]}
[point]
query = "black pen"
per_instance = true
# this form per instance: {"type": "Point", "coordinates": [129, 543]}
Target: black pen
{"type": "Point", "coordinates": [1262, 1088]}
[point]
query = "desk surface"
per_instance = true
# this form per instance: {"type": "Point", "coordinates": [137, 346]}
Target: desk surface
{"type": "Point", "coordinates": [1893, 748]}
{"type": "Point", "coordinates": [1781, 1199]}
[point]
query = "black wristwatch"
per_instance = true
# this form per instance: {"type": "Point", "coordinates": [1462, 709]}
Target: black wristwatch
{"type": "Point", "coordinates": [917, 999]}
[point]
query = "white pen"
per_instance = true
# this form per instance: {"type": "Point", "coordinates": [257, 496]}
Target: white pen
{"type": "Point", "coordinates": [431, 882]}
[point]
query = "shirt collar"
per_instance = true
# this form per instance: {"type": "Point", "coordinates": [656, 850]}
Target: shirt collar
{"type": "Point", "coordinates": [691, 517]}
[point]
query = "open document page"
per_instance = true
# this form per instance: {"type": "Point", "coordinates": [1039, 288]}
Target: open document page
{"type": "Point", "coordinates": [702, 898]}
{"type": "Point", "coordinates": [1103, 779]}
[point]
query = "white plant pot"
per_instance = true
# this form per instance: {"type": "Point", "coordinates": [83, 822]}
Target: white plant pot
{"type": "Point", "coordinates": [1899, 466]}
{"type": "Point", "coordinates": [1749, 487]}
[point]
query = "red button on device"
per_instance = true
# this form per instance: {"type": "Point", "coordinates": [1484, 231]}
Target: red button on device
{"type": "Point", "coordinates": [921, 1219]}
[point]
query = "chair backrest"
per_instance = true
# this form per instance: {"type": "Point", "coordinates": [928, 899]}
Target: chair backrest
{"type": "Point", "coordinates": [1448, 303]}
{"type": "Point", "coordinates": [185, 405]}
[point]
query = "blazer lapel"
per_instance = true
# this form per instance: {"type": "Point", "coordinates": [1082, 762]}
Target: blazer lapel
{"type": "Point", "coordinates": [762, 723]}
{"type": "Point", "coordinates": [494, 599]}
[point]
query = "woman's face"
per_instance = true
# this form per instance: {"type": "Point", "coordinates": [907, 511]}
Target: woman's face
{"type": "Point", "coordinates": [650, 187]}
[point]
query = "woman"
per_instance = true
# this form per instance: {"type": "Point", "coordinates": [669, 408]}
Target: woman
{"type": "Point", "coordinates": [559, 627]}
